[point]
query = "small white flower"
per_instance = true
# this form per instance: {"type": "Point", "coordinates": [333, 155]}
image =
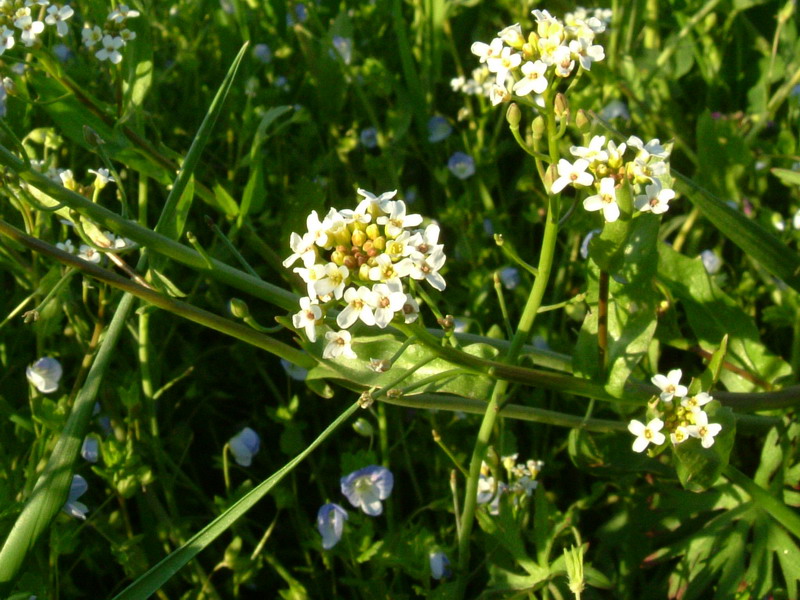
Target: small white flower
{"type": "Point", "coordinates": [670, 385]}
{"type": "Point", "coordinates": [655, 200]}
{"type": "Point", "coordinates": [110, 49]}
{"type": "Point", "coordinates": [66, 246]}
{"type": "Point", "coordinates": [91, 35]}
{"type": "Point", "coordinates": [311, 275]}
{"type": "Point", "coordinates": [30, 29]}
{"type": "Point", "coordinates": [127, 35]}
{"type": "Point", "coordinates": [681, 434]}
{"type": "Point", "coordinates": [594, 151]}
{"type": "Point", "coordinates": [330, 524]}
{"type": "Point", "coordinates": [694, 403]}
{"type": "Point", "coordinates": [562, 59]}
{"type": "Point", "coordinates": [502, 64]}
{"type": "Point", "coordinates": [101, 178]}
{"type": "Point", "coordinates": [310, 313]}
{"type": "Point", "coordinates": [89, 254]}
{"type": "Point", "coordinates": [389, 299]}
{"type": "Point", "coordinates": [359, 306]}
{"type": "Point", "coordinates": [512, 35]}
{"type": "Point", "coordinates": [367, 487]}
{"type": "Point", "coordinates": [586, 52]}
{"type": "Point", "coordinates": [6, 39]}
{"type": "Point", "coordinates": [397, 220]}
{"type": "Point", "coordinates": [44, 374]}
{"type": "Point", "coordinates": [572, 174]}
{"type": "Point", "coordinates": [533, 79]}
{"type": "Point", "coordinates": [375, 201]}
{"type": "Point", "coordinates": [122, 13]}
{"type": "Point", "coordinates": [77, 489]}
{"type": "Point", "coordinates": [303, 248]}
{"type": "Point", "coordinates": [338, 345]}
{"type": "Point", "coordinates": [606, 200]}
{"type": "Point", "coordinates": [58, 16]}
{"type": "Point", "coordinates": [244, 446]}
{"type": "Point", "coordinates": [646, 434]}
{"type": "Point", "coordinates": [486, 51]}
{"type": "Point", "coordinates": [704, 430]}
{"type": "Point", "coordinates": [387, 271]}
{"type": "Point", "coordinates": [410, 309]}
{"type": "Point", "coordinates": [333, 281]}
{"type": "Point", "coordinates": [427, 268]}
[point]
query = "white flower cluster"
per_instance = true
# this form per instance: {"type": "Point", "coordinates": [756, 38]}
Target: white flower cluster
{"type": "Point", "coordinates": [23, 18]}
{"type": "Point", "coordinates": [521, 482]}
{"type": "Point", "coordinates": [479, 84]}
{"type": "Point", "coordinates": [113, 36]}
{"type": "Point", "coordinates": [683, 420]}
{"type": "Point", "coordinates": [361, 257]}
{"type": "Point", "coordinates": [603, 165]}
{"type": "Point", "coordinates": [524, 65]}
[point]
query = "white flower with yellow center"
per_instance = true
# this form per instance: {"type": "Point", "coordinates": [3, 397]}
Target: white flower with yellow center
{"type": "Point", "coordinates": [533, 79]}
{"type": "Point", "coordinates": [338, 345]}
{"type": "Point", "coordinates": [704, 430]}
{"type": "Point", "coordinates": [655, 200]}
{"type": "Point", "coordinates": [389, 299]}
{"type": "Point", "coordinates": [572, 174]}
{"type": "Point", "coordinates": [333, 281]}
{"type": "Point", "coordinates": [670, 385]}
{"type": "Point", "coordinates": [310, 313]}
{"type": "Point", "coordinates": [397, 220]}
{"type": "Point", "coordinates": [427, 268]}
{"type": "Point", "coordinates": [646, 434]}
{"type": "Point", "coordinates": [606, 200]}
{"type": "Point", "coordinates": [360, 303]}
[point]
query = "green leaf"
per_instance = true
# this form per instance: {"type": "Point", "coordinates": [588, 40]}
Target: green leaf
{"type": "Point", "coordinates": [174, 227]}
{"type": "Point", "coordinates": [712, 314]}
{"type": "Point", "coordinates": [787, 176]}
{"type": "Point", "coordinates": [711, 375]}
{"type": "Point", "coordinates": [438, 375]}
{"type": "Point", "coordinates": [754, 240]}
{"type": "Point", "coordinates": [139, 67]}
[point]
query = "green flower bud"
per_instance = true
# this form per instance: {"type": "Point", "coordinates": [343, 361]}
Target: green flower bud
{"type": "Point", "coordinates": [538, 127]}
{"type": "Point", "coordinates": [363, 272]}
{"type": "Point", "coordinates": [373, 231]}
{"type": "Point", "coordinates": [363, 427]}
{"type": "Point", "coordinates": [238, 308]}
{"type": "Point", "coordinates": [513, 115]}
{"type": "Point", "coordinates": [379, 243]}
{"type": "Point", "coordinates": [337, 258]}
{"type": "Point", "coordinates": [582, 121]}
{"type": "Point", "coordinates": [561, 105]}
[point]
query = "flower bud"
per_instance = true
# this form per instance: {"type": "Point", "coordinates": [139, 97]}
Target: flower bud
{"type": "Point", "coordinates": [550, 176]}
{"type": "Point", "coordinates": [351, 262]}
{"type": "Point", "coordinates": [363, 272]}
{"type": "Point", "coordinates": [373, 231]}
{"type": "Point", "coordinates": [561, 105]}
{"type": "Point", "coordinates": [238, 308]}
{"type": "Point", "coordinates": [363, 427]}
{"type": "Point", "coordinates": [582, 121]}
{"type": "Point", "coordinates": [538, 127]}
{"type": "Point", "coordinates": [342, 236]}
{"type": "Point", "coordinates": [358, 238]}
{"type": "Point", "coordinates": [337, 258]}
{"type": "Point", "coordinates": [367, 247]}
{"type": "Point", "coordinates": [513, 115]}
{"type": "Point", "coordinates": [379, 243]}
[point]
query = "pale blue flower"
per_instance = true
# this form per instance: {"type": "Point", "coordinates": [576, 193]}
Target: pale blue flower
{"type": "Point", "coordinates": [44, 374]}
{"type": "Point", "coordinates": [262, 53]}
{"type": "Point", "coordinates": [369, 137]}
{"type": "Point", "coordinates": [440, 565]}
{"type": "Point", "coordinates": [293, 371]}
{"type": "Point", "coordinates": [366, 488]}
{"type": "Point", "coordinates": [711, 261]}
{"type": "Point", "coordinates": [344, 46]}
{"type": "Point", "coordinates": [244, 446]}
{"type": "Point", "coordinates": [509, 276]}
{"type": "Point", "coordinates": [72, 507]}
{"type": "Point", "coordinates": [615, 109]}
{"type": "Point", "coordinates": [330, 522]}
{"type": "Point", "coordinates": [461, 165]}
{"type": "Point", "coordinates": [438, 129]}
{"type": "Point", "coordinates": [90, 451]}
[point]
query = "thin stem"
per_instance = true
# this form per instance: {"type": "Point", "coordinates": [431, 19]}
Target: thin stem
{"type": "Point", "coordinates": [602, 322]}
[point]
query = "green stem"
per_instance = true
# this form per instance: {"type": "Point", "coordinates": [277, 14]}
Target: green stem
{"type": "Point", "coordinates": [523, 332]}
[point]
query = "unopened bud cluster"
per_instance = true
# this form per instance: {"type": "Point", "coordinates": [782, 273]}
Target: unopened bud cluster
{"type": "Point", "coordinates": [363, 259]}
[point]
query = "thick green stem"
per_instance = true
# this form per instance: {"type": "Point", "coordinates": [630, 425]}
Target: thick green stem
{"type": "Point", "coordinates": [523, 332]}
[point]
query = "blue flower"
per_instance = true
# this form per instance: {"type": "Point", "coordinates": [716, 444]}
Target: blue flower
{"type": "Point", "coordinates": [440, 565]}
{"type": "Point", "coordinates": [90, 450]}
{"type": "Point", "coordinates": [366, 488]}
{"type": "Point", "coordinates": [244, 446]}
{"type": "Point", "coordinates": [461, 165]}
{"type": "Point", "coordinates": [72, 507]}
{"type": "Point", "coordinates": [344, 46]}
{"type": "Point", "coordinates": [44, 374]}
{"type": "Point", "coordinates": [438, 129]}
{"type": "Point", "coordinates": [510, 277]}
{"type": "Point", "coordinates": [369, 137]}
{"type": "Point", "coordinates": [330, 522]}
